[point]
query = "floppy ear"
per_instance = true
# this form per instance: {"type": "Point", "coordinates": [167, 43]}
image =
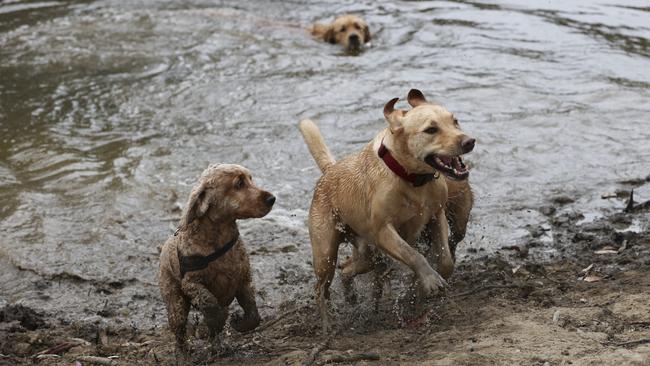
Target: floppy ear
{"type": "Point", "coordinates": [329, 36]}
{"type": "Point", "coordinates": [416, 98]}
{"type": "Point", "coordinates": [197, 206]}
{"type": "Point", "coordinates": [393, 116]}
{"type": "Point", "coordinates": [366, 34]}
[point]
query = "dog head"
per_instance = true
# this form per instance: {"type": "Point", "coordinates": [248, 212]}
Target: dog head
{"type": "Point", "coordinates": [227, 191]}
{"type": "Point", "coordinates": [348, 30]}
{"type": "Point", "coordinates": [428, 134]}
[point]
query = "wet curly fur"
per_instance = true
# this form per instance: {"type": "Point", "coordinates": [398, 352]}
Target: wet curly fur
{"type": "Point", "coordinates": [224, 194]}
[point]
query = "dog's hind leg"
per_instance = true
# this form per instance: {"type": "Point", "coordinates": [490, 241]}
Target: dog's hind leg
{"type": "Point", "coordinates": [325, 240]}
{"type": "Point", "coordinates": [439, 251]}
{"type": "Point", "coordinates": [382, 274]}
{"type": "Point", "coordinates": [459, 206]}
{"type": "Point", "coordinates": [178, 307]}
{"type": "Point", "coordinates": [360, 262]}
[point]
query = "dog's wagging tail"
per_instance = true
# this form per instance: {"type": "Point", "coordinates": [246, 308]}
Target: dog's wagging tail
{"type": "Point", "coordinates": [316, 144]}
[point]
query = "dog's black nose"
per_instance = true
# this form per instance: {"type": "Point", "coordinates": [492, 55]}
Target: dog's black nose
{"type": "Point", "coordinates": [354, 40]}
{"type": "Point", "coordinates": [467, 144]}
{"type": "Point", "coordinates": [270, 200]}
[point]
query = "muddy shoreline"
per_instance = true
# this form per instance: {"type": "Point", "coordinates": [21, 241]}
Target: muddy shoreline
{"type": "Point", "coordinates": [574, 291]}
{"type": "Point", "coordinates": [110, 109]}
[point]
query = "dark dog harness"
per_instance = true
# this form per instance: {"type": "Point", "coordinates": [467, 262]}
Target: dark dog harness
{"type": "Point", "coordinates": [192, 263]}
{"type": "Point", "coordinates": [416, 180]}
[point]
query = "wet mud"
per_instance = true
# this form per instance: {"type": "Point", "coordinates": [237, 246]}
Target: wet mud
{"type": "Point", "coordinates": [110, 109]}
{"type": "Point", "coordinates": [579, 298]}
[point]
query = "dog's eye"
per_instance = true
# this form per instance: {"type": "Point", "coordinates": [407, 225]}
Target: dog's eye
{"type": "Point", "coordinates": [356, 26]}
{"type": "Point", "coordinates": [240, 183]}
{"type": "Point", "coordinates": [456, 122]}
{"type": "Point", "coordinates": [343, 28]}
{"type": "Point", "coordinates": [431, 130]}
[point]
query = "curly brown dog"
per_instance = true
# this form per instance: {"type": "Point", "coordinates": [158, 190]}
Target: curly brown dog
{"type": "Point", "coordinates": [205, 264]}
{"type": "Point", "coordinates": [387, 193]}
{"type": "Point", "coordinates": [348, 30]}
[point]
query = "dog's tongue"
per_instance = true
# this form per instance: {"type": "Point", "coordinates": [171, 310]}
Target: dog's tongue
{"type": "Point", "coordinates": [446, 160]}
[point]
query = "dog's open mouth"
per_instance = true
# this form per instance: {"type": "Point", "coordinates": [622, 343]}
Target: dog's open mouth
{"type": "Point", "coordinates": [451, 166]}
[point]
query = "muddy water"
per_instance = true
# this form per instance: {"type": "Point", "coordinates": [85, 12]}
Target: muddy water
{"type": "Point", "coordinates": [109, 110]}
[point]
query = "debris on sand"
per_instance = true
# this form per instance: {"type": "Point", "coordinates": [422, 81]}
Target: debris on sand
{"type": "Point", "coordinates": [630, 202]}
{"type": "Point", "coordinates": [104, 361]}
{"type": "Point", "coordinates": [562, 200]}
{"type": "Point", "coordinates": [608, 249]}
{"type": "Point", "coordinates": [63, 347]}
{"type": "Point", "coordinates": [592, 278]}
{"type": "Point", "coordinates": [497, 307]}
{"type": "Point", "coordinates": [556, 316]}
{"type": "Point", "coordinates": [630, 207]}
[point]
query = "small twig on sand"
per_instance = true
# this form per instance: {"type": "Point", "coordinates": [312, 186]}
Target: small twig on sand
{"type": "Point", "coordinates": [632, 343]}
{"type": "Point", "coordinates": [315, 351]}
{"type": "Point", "coordinates": [97, 360]}
{"type": "Point", "coordinates": [640, 324]}
{"type": "Point", "coordinates": [277, 319]}
{"type": "Point", "coordinates": [47, 356]}
{"type": "Point", "coordinates": [631, 207]}
{"type": "Point", "coordinates": [62, 347]}
{"type": "Point", "coordinates": [348, 357]}
{"type": "Point", "coordinates": [134, 344]}
{"type": "Point", "coordinates": [630, 203]}
{"type": "Point", "coordinates": [641, 207]}
{"type": "Point", "coordinates": [488, 287]}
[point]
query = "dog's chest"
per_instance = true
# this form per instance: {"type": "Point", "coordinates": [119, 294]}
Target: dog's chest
{"type": "Point", "coordinates": [414, 207]}
{"type": "Point", "coordinates": [421, 205]}
{"type": "Point", "coordinates": [223, 276]}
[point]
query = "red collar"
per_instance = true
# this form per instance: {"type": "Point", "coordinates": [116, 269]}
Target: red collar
{"type": "Point", "coordinates": [416, 180]}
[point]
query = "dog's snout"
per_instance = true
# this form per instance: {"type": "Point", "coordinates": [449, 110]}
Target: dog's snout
{"type": "Point", "coordinates": [270, 200]}
{"type": "Point", "coordinates": [354, 40]}
{"type": "Point", "coordinates": [467, 144]}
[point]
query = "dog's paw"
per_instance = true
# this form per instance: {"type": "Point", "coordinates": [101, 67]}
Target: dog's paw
{"type": "Point", "coordinates": [431, 284]}
{"type": "Point", "coordinates": [244, 324]}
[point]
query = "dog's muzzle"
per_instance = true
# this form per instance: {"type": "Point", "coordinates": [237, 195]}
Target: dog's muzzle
{"type": "Point", "coordinates": [451, 166]}
{"type": "Point", "coordinates": [354, 41]}
{"type": "Point", "coordinates": [269, 201]}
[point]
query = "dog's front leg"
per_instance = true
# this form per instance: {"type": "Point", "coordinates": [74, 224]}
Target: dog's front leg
{"type": "Point", "coordinates": [390, 242]}
{"type": "Point", "coordinates": [214, 314]}
{"type": "Point", "coordinates": [246, 299]}
{"type": "Point", "coordinates": [360, 262]}
{"type": "Point", "coordinates": [439, 251]}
